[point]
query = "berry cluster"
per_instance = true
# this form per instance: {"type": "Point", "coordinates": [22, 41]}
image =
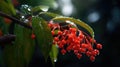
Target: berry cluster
{"type": "Point", "coordinates": [69, 38]}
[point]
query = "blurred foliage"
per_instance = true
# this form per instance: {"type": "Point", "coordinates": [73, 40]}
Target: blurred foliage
{"type": "Point", "coordinates": [37, 2]}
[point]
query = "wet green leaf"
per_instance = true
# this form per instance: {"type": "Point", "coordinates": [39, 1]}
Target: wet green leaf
{"type": "Point", "coordinates": [43, 35]}
{"type": "Point", "coordinates": [54, 54]}
{"type": "Point", "coordinates": [78, 22]}
{"type": "Point", "coordinates": [40, 8]}
{"type": "Point", "coordinates": [49, 14]}
{"type": "Point", "coordinates": [20, 53]}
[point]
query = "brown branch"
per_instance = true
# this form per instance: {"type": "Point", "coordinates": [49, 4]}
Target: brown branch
{"type": "Point", "coordinates": [7, 39]}
{"type": "Point", "coordinates": [15, 20]}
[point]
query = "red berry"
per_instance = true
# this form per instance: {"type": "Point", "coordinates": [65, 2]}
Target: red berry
{"type": "Point", "coordinates": [92, 40]}
{"type": "Point", "coordinates": [60, 45]}
{"type": "Point", "coordinates": [90, 49]}
{"type": "Point", "coordinates": [59, 32]}
{"type": "Point", "coordinates": [56, 39]}
{"type": "Point", "coordinates": [92, 58]}
{"type": "Point", "coordinates": [82, 50]}
{"type": "Point", "coordinates": [88, 53]}
{"type": "Point", "coordinates": [84, 45]}
{"type": "Point", "coordinates": [73, 30]}
{"type": "Point", "coordinates": [76, 51]}
{"type": "Point", "coordinates": [97, 51]}
{"type": "Point", "coordinates": [99, 46]}
{"type": "Point", "coordinates": [63, 42]}
{"type": "Point", "coordinates": [63, 51]}
{"type": "Point", "coordinates": [94, 53]}
{"type": "Point", "coordinates": [52, 32]}
{"type": "Point", "coordinates": [68, 48]}
{"type": "Point", "coordinates": [50, 25]}
{"type": "Point", "coordinates": [70, 36]}
{"type": "Point", "coordinates": [33, 36]}
{"type": "Point", "coordinates": [79, 55]}
{"type": "Point", "coordinates": [77, 41]}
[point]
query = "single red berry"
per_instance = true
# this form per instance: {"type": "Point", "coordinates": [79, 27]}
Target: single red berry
{"type": "Point", "coordinates": [92, 40]}
{"type": "Point", "coordinates": [50, 25]}
{"type": "Point", "coordinates": [88, 53]}
{"type": "Point", "coordinates": [33, 36]}
{"type": "Point", "coordinates": [97, 51]}
{"type": "Point", "coordinates": [60, 45]}
{"type": "Point", "coordinates": [63, 42]}
{"type": "Point", "coordinates": [99, 46]}
{"type": "Point", "coordinates": [81, 34]}
{"type": "Point", "coordinates": [90, 48]}
{"type": "Point", "coordinates": [56, 39]}
{"type": "Point", "coordinates": [79, 55]}
{"type": "Point", "coordinates": [59, 32]}
{"type": "Point", "coordinates": [76, 51]}
{"type": "Point", "coordinates": [93, 53]}
{"type": "Point", "coordinates": [92, 58]}
{"type": "Point", "coordinates": [53, 33]}
{"type": "Point", "coordinates": [63, 51]}
{"type": "Point", "coordinates": [68, 48]}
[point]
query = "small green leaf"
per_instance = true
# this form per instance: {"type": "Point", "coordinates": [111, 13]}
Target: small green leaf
{"type": "Point", "coordinates": [43, 35]}
{"type": "Point", "coordinates": [78, 22]}
{"type": "Point", "coordinates": [54, 54]}
{"type": "Point", "coordinates": [20, 53]}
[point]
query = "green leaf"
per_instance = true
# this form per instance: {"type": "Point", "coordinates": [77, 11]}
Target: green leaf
{"type": "Point", "coordinates": [49, 14]}
{"type": "Point", "coordinates": [54, 54]}
{"type": "Point", "coordinates": [20, 53]}
{"type": "Point", "coordinates": [37, 2]}
{"type": "Point", "coordinates": [40, 8]}
{"type": "Point", "coordinates": [43, 35]}
{"type": "Point", "coordinates": [7, 7]}
{"type": "Point", "coordinates": [78, 22]}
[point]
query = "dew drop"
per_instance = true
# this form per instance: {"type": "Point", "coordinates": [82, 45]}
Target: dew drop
{"type": "Point", "coordinates": [25, 9]}
{"type": "Point", "coordinates": [55, 60]}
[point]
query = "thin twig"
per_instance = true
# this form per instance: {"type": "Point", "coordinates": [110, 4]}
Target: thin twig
{"type": "Point", "coordinates": [15, 20]}
{"type": "Point", "coordinates": [7, 39]}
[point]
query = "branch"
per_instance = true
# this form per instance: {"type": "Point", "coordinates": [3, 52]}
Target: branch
{"type": "Point", "coordinates": [7, 39]}
{"type": "Point", "coordinates": [16, 20]}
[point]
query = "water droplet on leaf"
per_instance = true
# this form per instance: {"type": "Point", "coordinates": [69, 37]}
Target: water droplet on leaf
{"type": "Point", "coordinates": [55, 60]}
{"type": "Point", "coordinates": [25, 9]}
